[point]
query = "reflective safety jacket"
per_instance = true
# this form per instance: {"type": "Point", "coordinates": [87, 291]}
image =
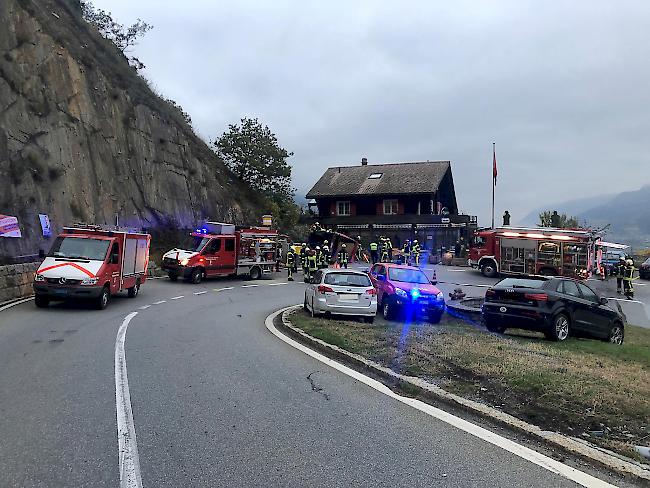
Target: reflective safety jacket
{"type": "Point", "coordinates": [290, 258]}
{"type": "Point", "coordinates": [629, 273]}
{"type": "Point", "coordinates": [312, 263]}
{"type": "Point", "coordinates": [415, 249]}
{"type": "Point", "coordinates": [343, 256]}
{"type": "Point", "coordinates": [619, 268]}
{"type": "Point", "coordinates": [374, 246]}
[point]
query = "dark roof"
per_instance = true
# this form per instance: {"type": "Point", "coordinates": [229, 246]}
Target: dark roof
{"type": "Point", "coordinates": [396, 179]}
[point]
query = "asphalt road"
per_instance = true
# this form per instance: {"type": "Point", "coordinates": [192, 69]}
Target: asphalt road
{"type": "Point", "coordinates": [217, 401]}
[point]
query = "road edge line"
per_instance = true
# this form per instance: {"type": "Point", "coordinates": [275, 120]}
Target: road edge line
{"type": "Point", "coordinates": [129, 461]}
{"type": "Point", "coordinates": [301, 340]}
{"type": "Point", "coordinates": [13, 303]}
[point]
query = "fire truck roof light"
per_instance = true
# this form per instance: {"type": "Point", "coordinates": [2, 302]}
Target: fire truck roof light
{"type": "Point", "coordinates": [536, 236]}
{"type": "Point", "coordinates": [561, 238]}
{"type": "Point", "coordinates": [511, 234]}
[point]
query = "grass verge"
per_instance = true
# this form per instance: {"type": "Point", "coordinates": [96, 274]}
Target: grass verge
{"type": "Point", "coordinates": [583, 388]}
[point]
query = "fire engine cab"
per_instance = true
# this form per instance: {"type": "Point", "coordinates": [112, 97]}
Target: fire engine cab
{"type": "Point", "coordinates": [535, 251]}
{"type": "Point", "coordinates": [91, 263]}
{"type": "Point", "coordinates": [218, 249]}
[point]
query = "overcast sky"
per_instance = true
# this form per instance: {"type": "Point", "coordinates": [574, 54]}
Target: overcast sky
{"type": "Point", "coordinates": [563, 88]}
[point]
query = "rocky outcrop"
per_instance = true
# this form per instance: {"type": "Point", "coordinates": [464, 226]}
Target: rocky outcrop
{"type": "Point", "coordinates": [84, 138]}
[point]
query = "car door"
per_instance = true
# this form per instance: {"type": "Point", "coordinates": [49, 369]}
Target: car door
{"type": "Point", "coordinates": [212, 257]}
{"type": "Point", "coordinates": [575, 305]}
{"type": "Point", "coordinates": [378, 278]}
{"type": "Point", "coordinates": [596, 315]}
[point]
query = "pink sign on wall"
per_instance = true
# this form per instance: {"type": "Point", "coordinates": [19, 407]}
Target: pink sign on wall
{"type": "Point", "coordinates": [9, 226]}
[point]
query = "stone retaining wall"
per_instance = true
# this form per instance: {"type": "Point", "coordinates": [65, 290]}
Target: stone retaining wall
{"type": "Point", "coordinates": [16, 280]}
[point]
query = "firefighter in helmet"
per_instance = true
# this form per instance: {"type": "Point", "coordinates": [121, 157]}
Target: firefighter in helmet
{"type": "Point", "coordinates": [326, 252]}
{"type": "Point", "coordinates": [628, 287]}
{"type": "Point", "coordinates": [303, 257]}
{"type": "Point", "coordinates": [384, 249]}
{"type": "Point", "coordinates": [291, 260]}
{"type": "Point", "coordinates": [374, 251]}
{"type": "Point", "coordinates": [343, 256]}
{"type": "Point", "coordinates": [415, 252]}
{"type": "Point", "coordinates": [312, 265]}
{"type": "Point", "coordinates": [406, 251]}
{"type": "Point", "coordinates": [619, 270]}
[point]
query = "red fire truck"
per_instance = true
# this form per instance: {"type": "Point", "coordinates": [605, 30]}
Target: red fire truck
{"type": "Point", "coordinates": [535, 251]}
{"type": "Point", "coordinates": [88, 262]}
{"type": "Point", "coordinates": [218, 249]}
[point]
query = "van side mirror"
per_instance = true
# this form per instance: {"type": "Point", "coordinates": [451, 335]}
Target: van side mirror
{"type": "Point", "coordinates": [41, 254]}
{"type": "Point", "coordinates": [603, 301]}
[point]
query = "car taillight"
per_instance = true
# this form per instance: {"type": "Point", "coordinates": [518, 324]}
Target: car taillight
{"type": "Point", "coordinates": [324, 289]}
{"type": "Point", "coordinates": [537, 297]}
{"type": "Point", "coordinates": [372, 291]}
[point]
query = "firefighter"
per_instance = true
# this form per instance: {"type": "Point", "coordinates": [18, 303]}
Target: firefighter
{"type": "Point", "coordinates": [320, 258]}
{"type": "Point", "coordinates": [291, 260]}
{"type": "Point", "coordinates": [619, 271]}
{"type": "Point", "coordinates": [303, 257]}
{"type": "Point", "coordinates": [628, 276]}
{"type": "Point", "coordinates": [343, 256]}
{"type": "Point", "coordinates": [326, 252]}
{"type": "Point", "coordinates": [359, 254]}
{"type": "Point", "coordinates": [415, 252]}
{"type": "Point", "coordinates": [312, 265]}
{"type": "Point", "coordinates": [406, 251]}
{"type": "Point", "coordinates": [374, 254]}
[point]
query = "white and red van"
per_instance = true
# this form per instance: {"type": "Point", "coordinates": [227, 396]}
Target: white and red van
{"type": "Point", "coordinates": [88, 262]}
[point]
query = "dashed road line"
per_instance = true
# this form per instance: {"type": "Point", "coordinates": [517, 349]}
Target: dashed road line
{"type": "Point", "coordinates": [224, 288]}
{"type": "Point", "coordinates": [159, 302]}
{"type": "Point", "coordinates": [178, 297]}
{"type": "Point", "coordinates": [277, 284]}
{"type": "Point", "coordinates": [144, 307]}
{"type": "Point", "coordinates": [249, 286]}
{"type": "Point", "coordinates": [200, 292]}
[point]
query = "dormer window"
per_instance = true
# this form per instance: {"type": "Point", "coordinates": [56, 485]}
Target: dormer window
{"type": "Point", "coordinates": [375, 176]}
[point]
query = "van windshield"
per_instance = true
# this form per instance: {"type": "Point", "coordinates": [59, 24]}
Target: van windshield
{"type": "Point", "coordinates": [80, 248]}
{"type": "Point", "coordinates": [194, 243]}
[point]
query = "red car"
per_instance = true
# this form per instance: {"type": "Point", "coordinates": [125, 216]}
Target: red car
{"type": "Point", "coordinates": [406, 289]}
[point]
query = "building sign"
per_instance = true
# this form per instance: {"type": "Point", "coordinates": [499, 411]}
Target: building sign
{"type": "Point", "coordinates": [45, 225]}
{"type": "Point", "coordinates": [9, 226]}
{"type": "Point", "coordinates": [267, 220]}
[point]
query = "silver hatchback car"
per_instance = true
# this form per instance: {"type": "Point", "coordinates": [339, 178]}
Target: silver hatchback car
{"type": "Point", "coordinates": [341, 291]}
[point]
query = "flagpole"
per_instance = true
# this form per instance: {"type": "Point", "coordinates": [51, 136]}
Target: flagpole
{"type": "Point", "coordinates": [493, 182]}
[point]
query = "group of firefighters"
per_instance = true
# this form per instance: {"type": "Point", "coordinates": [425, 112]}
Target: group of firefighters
{"type": "Point", "coordinates": [381, 250]}
{"type": "Point", "coordinates": [624, 271]}
{"type": "Point", "coordinates": [311, 259]}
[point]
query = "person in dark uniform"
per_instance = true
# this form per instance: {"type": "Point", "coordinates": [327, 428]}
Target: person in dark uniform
{"type": "Point", "coordinates": [343, 256]}
{"type": "Point", "coordinates": [374, 252]}
{"type": "Point", "coordinates": [619, 271]}
{"type": "Point", "coordinates": [628, 287]}
{"type": "Point", "coordinates": [291, 261]}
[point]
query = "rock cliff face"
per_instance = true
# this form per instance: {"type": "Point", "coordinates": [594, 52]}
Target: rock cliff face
{"type": "Point", "coordinates": [83, 138]}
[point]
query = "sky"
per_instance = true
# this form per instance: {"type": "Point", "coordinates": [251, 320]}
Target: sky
{"type": "Point", "coordinates": [562, 87]}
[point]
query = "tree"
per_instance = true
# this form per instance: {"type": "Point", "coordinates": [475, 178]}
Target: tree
{"type": "Point", "coordinates": [181, 111]}
{"type": "Point", "coordinates": [122, 37]}
{"type": "Point", "coordinates": [252, 152]}
{"type": "Point", "coordinates": [546, 219]}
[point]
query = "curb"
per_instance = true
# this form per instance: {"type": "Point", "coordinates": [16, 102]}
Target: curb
{"type": "Point", "coordinates": [14, 302]}
{"type": "Point", "coordinates": [571, 445]}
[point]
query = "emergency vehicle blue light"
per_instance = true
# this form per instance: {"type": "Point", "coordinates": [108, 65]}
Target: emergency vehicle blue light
{"type": "Point", "coordinates": [415, 293]}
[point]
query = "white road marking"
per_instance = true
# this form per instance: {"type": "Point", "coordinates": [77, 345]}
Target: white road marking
{"type": "Point", "coordinates": [626, 300]}
{"type": "Point", "coordinates": [144, 307]}
{"type": "Point", "coordinates": [465, 284]}
{"type": "Point", "coordinates": [224, 288]}
{"type": "Point", "coordinates": [159, 302]}
{"type": "Point", "coordinates": [248, 286]}
{"type": "Point", "coordinates": [200, 292]}
{"type": "Point", "coordinates": [523, 452]}
{"type": "Point", "coordinates": [128, 447]}
{"type": "Point", "coordinates": [277, 284]}
{"type": "Point", "coordinates": [178, 297]}
{"type": "Point", "coordinates": [9, 305]}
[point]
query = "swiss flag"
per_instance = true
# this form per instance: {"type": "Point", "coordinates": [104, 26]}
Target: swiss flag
{"type": "Point", "coordinates": [494, 165]}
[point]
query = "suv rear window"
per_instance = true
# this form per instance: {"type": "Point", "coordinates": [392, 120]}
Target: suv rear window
{"type": "Point", "coordinates": [347, 279]}
{"type": "Point", "coordinates": [521, 283]}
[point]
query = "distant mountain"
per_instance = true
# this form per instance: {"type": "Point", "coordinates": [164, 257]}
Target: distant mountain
{"type": "Point", "coordinates": [569, 207]}
{"type": "Point", "coordinates": [627, 214]}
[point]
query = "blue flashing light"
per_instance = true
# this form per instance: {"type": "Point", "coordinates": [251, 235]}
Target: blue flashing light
{"type": "Point", "coordinates": [415, 293]}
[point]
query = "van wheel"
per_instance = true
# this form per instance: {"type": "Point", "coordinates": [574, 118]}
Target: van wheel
{"type": "Point", "coordinates": [41, 301]}
{"type": "Point", "coordinates": [489, 270]}
{"type": "Point", "coordinates": [255, 273]}
{"type": "Point", "coordinates": [103, 299]}
{"type": "Point", "coordinates": [134, 290]}
{"type": "Point", "coordinates": [197, 276]}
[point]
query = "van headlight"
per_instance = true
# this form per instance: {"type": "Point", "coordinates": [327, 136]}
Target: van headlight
{"type": "Point", "coordinates": [89, 281]}
{"type": "Point", "coordinates": [39, 277]}
{"type": "Point", "coordinates": [184, 262]}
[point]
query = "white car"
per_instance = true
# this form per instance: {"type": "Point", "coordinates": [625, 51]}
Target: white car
{"type": "Point", "coordinates": [343, 292]}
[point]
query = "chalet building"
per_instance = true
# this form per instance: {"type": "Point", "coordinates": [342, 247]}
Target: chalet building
{"type": "Point", "coordinates": [400, 200]}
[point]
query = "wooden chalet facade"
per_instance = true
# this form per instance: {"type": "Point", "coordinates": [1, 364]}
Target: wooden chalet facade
{"type": "Point", "coordinates": [400, 200]}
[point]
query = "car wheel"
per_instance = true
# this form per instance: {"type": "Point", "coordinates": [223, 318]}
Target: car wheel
{"type": "Point", "coordinates": [369, 320]}
{"type": "Point", "coordinates": [197, 276]}
{"type": "Point", "coordinates": [495, 329]}
{"type": "Point", "coordinates": [304, 304]}
{"type": "Point", "coordinates": [134, 290]}
{"type": "Point", "coordinates": [489, 270]}
{"type": "Point", "coordinates": [41, 301]}
{"type": "Point", "coordinates": [616, 334]}
{"type": "Point", "coordinates": [560, 329]}
{"type": "Point", "coordinates": [173, 277]}
{"type": "Point", "coordinates": [313, 310]}
{"type": "Point", "coordinates": [435, 318]}
{"type": "Point", "coordinates": [387, 310]}
{"type": "Point", "coordinates": [103, 299]}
